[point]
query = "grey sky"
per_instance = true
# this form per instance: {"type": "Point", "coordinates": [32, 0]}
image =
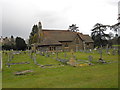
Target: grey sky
{"type": "Point", "coordinates": [18, 16]}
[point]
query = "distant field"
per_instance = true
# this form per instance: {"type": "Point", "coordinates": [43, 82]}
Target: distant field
{"type": "Point", "coordinates": [97, 76]}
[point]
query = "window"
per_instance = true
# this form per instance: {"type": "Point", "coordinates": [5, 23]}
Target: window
{"type": "Point", "coordinates": [87, 44]}
{"type": "Point", "coordinates": [52, 48]}
{"type": "Point", "coordinates": [66, 45]}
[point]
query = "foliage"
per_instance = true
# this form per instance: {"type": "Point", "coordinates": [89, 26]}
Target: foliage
{"type": "Point", "coordinates": [73, 28]}
{"type": "Point", "coordinates": [20, 44]}
{"type": "Point", "coordinates": [33, 35]}
{"type": "Point", "coordinates": [115, 27]}
{"type": "Point", "coordinates": [99, 36]}
{"type": "Point", "coordinates": [9, 43]}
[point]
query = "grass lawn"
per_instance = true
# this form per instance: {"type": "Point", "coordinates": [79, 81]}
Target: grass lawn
{"type": "Point", "coordinates": [96, 76]}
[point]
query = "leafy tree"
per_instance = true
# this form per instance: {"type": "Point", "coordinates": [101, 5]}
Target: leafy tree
{"type": "Point", "coordinates": [115, 27]}
{"type": "Point", "coordinates": [32, 34]}
{"type": "Point", "coordinates": [98, 35]}
{"type": "Point", "coordinates": [20, 44]}
{"type": "Point", "coordinates": [73, 28]}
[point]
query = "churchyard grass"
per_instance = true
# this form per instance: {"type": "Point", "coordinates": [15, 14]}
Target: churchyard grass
{"type": "Point", "coordinates": [96, 76]}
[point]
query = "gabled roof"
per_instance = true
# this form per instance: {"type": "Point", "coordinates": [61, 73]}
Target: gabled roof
{"type": "Point", "coordinates": [85, 38]}
{"type": "Point", "coordinates": [50, 41]}
{"type": "Point", "coordinates": [59, 35]}
{"type": "Point", "coordinates": [55, 37]}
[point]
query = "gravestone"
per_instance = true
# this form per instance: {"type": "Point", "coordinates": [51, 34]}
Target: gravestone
{"type": "Point", "coordinates": [72, 61]}
{"type": "Point", "coordinates": [23, 72]}
{"type": "Point", "coordinates": [90, 50]}
{"type": "Point", "coordinates": [100, 52]}
{"type": "Point", "coordinates": [31, 54]}
{"type": "Point", "coordinates": [118, 52]}
{"type": "Point", "coordinates": [57, 54]}
{"type": "Point", "coordinates": [34, 59]}
{"type": "Point", "coordinates": [102, 61]}
{"type": "Point", "coordinates": [10, 56]}
{"type": "Point", "coordinates": [90, 58]}
{"type": "Point", "coordinates": [113, 52]}
{"type": "Point", "coordinates": [65, 55]}
{"type": "Point", "coordinates": [47, 55]}
{"type": "Point", "coordinates": [74, 57]}
{"type": "Point", "coordinates": [0, 60]}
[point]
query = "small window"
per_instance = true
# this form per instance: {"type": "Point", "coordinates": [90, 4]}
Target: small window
{"type": "Point", "coordinates": [52, 48]}
{"type": "Point", "coordinates": [66, 45]}
{"type": "Point", "coordinates": [87, 44]}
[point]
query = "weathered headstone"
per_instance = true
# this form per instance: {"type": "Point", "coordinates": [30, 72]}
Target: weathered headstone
{"type": "Point", "coordinates": [34, 59]}
{"type": "Point", "coordinates": [118, 52]}
{"type": "Point", "coordinates": [90, 58]}
{"type": "Point", "coordinates": [113, 52]}
{"type": "Point", "coordinates": [102, 61]}
{"type": "Point", "coordinates": [57, 54]}
{"type": "Point", "coordinates": [0, 60]}
{"type": "Point", "coordinates": [65, 55]}
{"type": "Point", "coordinates": [100, 52]}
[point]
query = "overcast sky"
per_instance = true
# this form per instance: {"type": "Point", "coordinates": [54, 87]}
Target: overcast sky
{"type": "Point", "coordinates": [18, 16]}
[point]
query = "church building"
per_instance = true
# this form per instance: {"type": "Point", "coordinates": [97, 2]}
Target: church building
{"type": "Point", "coordinates": [62, 40]}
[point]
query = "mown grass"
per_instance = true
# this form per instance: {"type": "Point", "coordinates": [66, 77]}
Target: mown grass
{"type": "Point", "coordinates": [97, 76]}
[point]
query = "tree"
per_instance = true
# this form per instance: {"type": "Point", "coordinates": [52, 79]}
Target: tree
{"type": "Point", "coordinates": [73, 28]}
{"type": "Point", "coordinates": [20, 44]}
{"type": "Point", "coordinates": [115, 27]}
{"type": "Point", "coordinates": [98, 35]}
{"type": "Point", "coordinates": [32, 34]}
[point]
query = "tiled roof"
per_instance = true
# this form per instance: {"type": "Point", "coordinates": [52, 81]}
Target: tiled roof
{"type": "Point", "coordinates": [86, 38]}
{"type": "Point", "coordinates": [59, 35]}
{"type": "Point", "coordinates": [54, 37]}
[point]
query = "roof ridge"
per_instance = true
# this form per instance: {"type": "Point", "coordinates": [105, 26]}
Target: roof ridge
{"type": "Point", "coordinates": [53, 30]}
